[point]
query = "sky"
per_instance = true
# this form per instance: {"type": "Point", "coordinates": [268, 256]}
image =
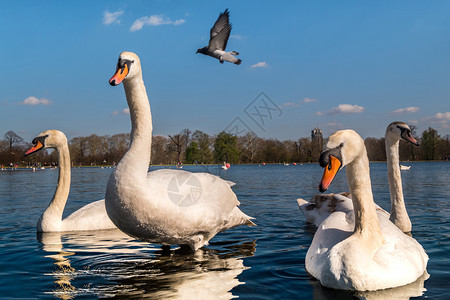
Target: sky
{"type": "Point", "coordinates": [305, 64]}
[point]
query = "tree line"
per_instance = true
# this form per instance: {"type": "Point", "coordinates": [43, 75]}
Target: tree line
{"type": "Point", "coordinates": [200, 148]}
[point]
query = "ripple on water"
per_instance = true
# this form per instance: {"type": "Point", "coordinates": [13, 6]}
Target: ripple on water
{"type": "Point", "coordinates": [262, 262]}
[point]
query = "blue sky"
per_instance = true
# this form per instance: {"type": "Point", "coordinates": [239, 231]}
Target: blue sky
{"type": "Point", "coordinates": [332, 64]}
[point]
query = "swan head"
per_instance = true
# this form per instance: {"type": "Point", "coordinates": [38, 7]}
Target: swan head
{"type": "Point", "coordinates": [47, 139]}
{"type": "Point", "coordinates": [400, 130]}
{"type": "Point", "coordinates": [128, 67]}
{"type": "Point", "coordinates": [342, 148]}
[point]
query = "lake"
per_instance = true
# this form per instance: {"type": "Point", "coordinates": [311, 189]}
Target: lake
{"type": "Point", "coordinates": [262, 262]}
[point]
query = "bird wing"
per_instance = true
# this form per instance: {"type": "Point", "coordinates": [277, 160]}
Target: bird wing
{"type": "Point", "coordinates": [220, 32]}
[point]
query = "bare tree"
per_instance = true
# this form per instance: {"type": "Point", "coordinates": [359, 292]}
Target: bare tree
{"type": "Point", "coordinates": [118, 144]}
{"type": "Point", "coordinates": [12, 138]}
{"type": "Point", "coordinates": [375, 148]}
{"type": "Point", "coordinates": [187, 136]}
{"type": "Point", "coordinates": [159, 155]}
{"type": "Point", "coordinates": [78, 149]}
{"type": "Point", "coordinates": [248, 146]}
{"type": "Point", "coordinates": [178, 141]}
{"type": "Point", "coordinates": [305, 145]}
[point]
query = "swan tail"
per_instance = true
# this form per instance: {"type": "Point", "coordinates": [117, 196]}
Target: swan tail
{"type": "Point", "coordinates": [240, 218]}
{"type": "Point", "coordinates": [238, 62]}
{"type": "Point", "coordinates": [230, 183]}
{"type": "Point", "coordinates": [302, 202]}
{"type": "Point", "coordinates": [248, 222]}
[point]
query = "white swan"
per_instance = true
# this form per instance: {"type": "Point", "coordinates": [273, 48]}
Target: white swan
{"type": "Point", "coordinates": [394, 133]}
{"type": "Point", "coordinates": [169, 207]}
{"type": "Point", "coordinates": [90, 217]}
{"type": "Point", "coordinates": [321, 206]}
{"type": "Point", "coordinates": [360, 249]}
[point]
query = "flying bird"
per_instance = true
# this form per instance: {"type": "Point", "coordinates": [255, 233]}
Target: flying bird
{"type": "Point", "coordinates": [220, 33]}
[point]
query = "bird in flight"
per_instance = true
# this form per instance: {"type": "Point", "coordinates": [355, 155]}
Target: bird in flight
{"type": "Point", "coordinates": [219, 35]}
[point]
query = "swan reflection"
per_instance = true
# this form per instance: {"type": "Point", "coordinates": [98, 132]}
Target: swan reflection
{"type": "Point", "coordinates": [415, 289]}
{"type": "Point", "coordinates": [127, 267]}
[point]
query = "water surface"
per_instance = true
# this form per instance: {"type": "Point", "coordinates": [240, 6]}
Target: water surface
{"type": "Point", "coordinates": [262, 262]}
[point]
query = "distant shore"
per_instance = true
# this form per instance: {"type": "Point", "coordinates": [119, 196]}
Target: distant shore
{"type": "Point", "coordinates": [4, 168]}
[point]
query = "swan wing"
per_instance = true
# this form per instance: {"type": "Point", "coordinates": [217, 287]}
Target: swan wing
{"type": "Point", "coordinates": [185, 189]}
{"type": "Point", "coordinates": [92, 216]}
{"type": "Point", "coordinates": [321, 206]}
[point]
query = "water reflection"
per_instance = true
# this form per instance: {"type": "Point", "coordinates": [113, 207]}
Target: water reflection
{"type": "Point", "coordinates": [415, 289]}
{"type": "Point", "coordinates": [134, 268]}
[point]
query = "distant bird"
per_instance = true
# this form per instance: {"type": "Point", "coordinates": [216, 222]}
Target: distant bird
{"type": "Point", "coordinates": [220, 33]}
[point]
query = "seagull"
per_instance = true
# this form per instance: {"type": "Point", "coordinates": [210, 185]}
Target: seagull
{"type": "Point", "coordinates": [220, 33]}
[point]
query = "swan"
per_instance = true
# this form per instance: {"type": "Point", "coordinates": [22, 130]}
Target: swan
{"type": "Point", "coordinates": [360, 249]}
{"type": "Point", "coordinates": [394, 133]}
{"type": "Point", "coordinates": [321, 206]}
{"type": "Point", "coordinates": [168, 207]}
{"type": "Point", "coordinates": [90, 217]}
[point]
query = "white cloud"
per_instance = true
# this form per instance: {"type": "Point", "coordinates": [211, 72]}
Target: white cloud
{"type": "Point", "coordinates": [112, 17]}
{"type": "Point", "coordinates": [443, 119]}
{"type": "Point", "coordinates": [154, 20]}
{"type": "Point", "coordinates": [261, 64]}
{"type": "Point", "coordinates": [236, 36]}
{"type": "Point", "coordinates": [411, 109]}
{"type": "Point", "coordinates": [292, 104]}
{"type": "Point", "coordinates": [125, 111]}
{"type": "Point", "coordinates": [335, 125]}
{"type": "Point", "coordinates": [299, 103]}
{"type": "Point", "coordinates": [309, 100]}
{"type": "Point", "coordinates": [35, 101]}
{"type": "Point", "coordinates": [343, 109]}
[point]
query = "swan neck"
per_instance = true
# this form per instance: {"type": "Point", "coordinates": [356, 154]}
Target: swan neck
{"type": "Point", "coordinates": [399, 215]}
{"type": "Point", "coordinates": [138, 155]}
{"type": "Point", "coordinates": [55, 209]}
{"type": "Point", "coordinates": [367, 225]}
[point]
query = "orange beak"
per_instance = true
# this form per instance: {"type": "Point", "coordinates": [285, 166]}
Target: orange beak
{"type": "Point", "coordinates": [120, 75]}
{"type": "Point", "coordinates": [329, 173]}
{"type": "Point", "coordinates": [35, 148]}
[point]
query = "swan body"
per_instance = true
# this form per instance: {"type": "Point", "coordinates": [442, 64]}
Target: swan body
{"type": "Point", "coordinates": [169, 207]}
{"type": "Point", "coordinates": [360, 249]}
{"type": "Point", "coordinates": [92, 216]}
{"type": "Point", "coordinates": [321, 206]}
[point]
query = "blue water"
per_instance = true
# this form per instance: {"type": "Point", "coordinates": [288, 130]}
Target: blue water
{"type": "Point", "coordinates": [262, 262]}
